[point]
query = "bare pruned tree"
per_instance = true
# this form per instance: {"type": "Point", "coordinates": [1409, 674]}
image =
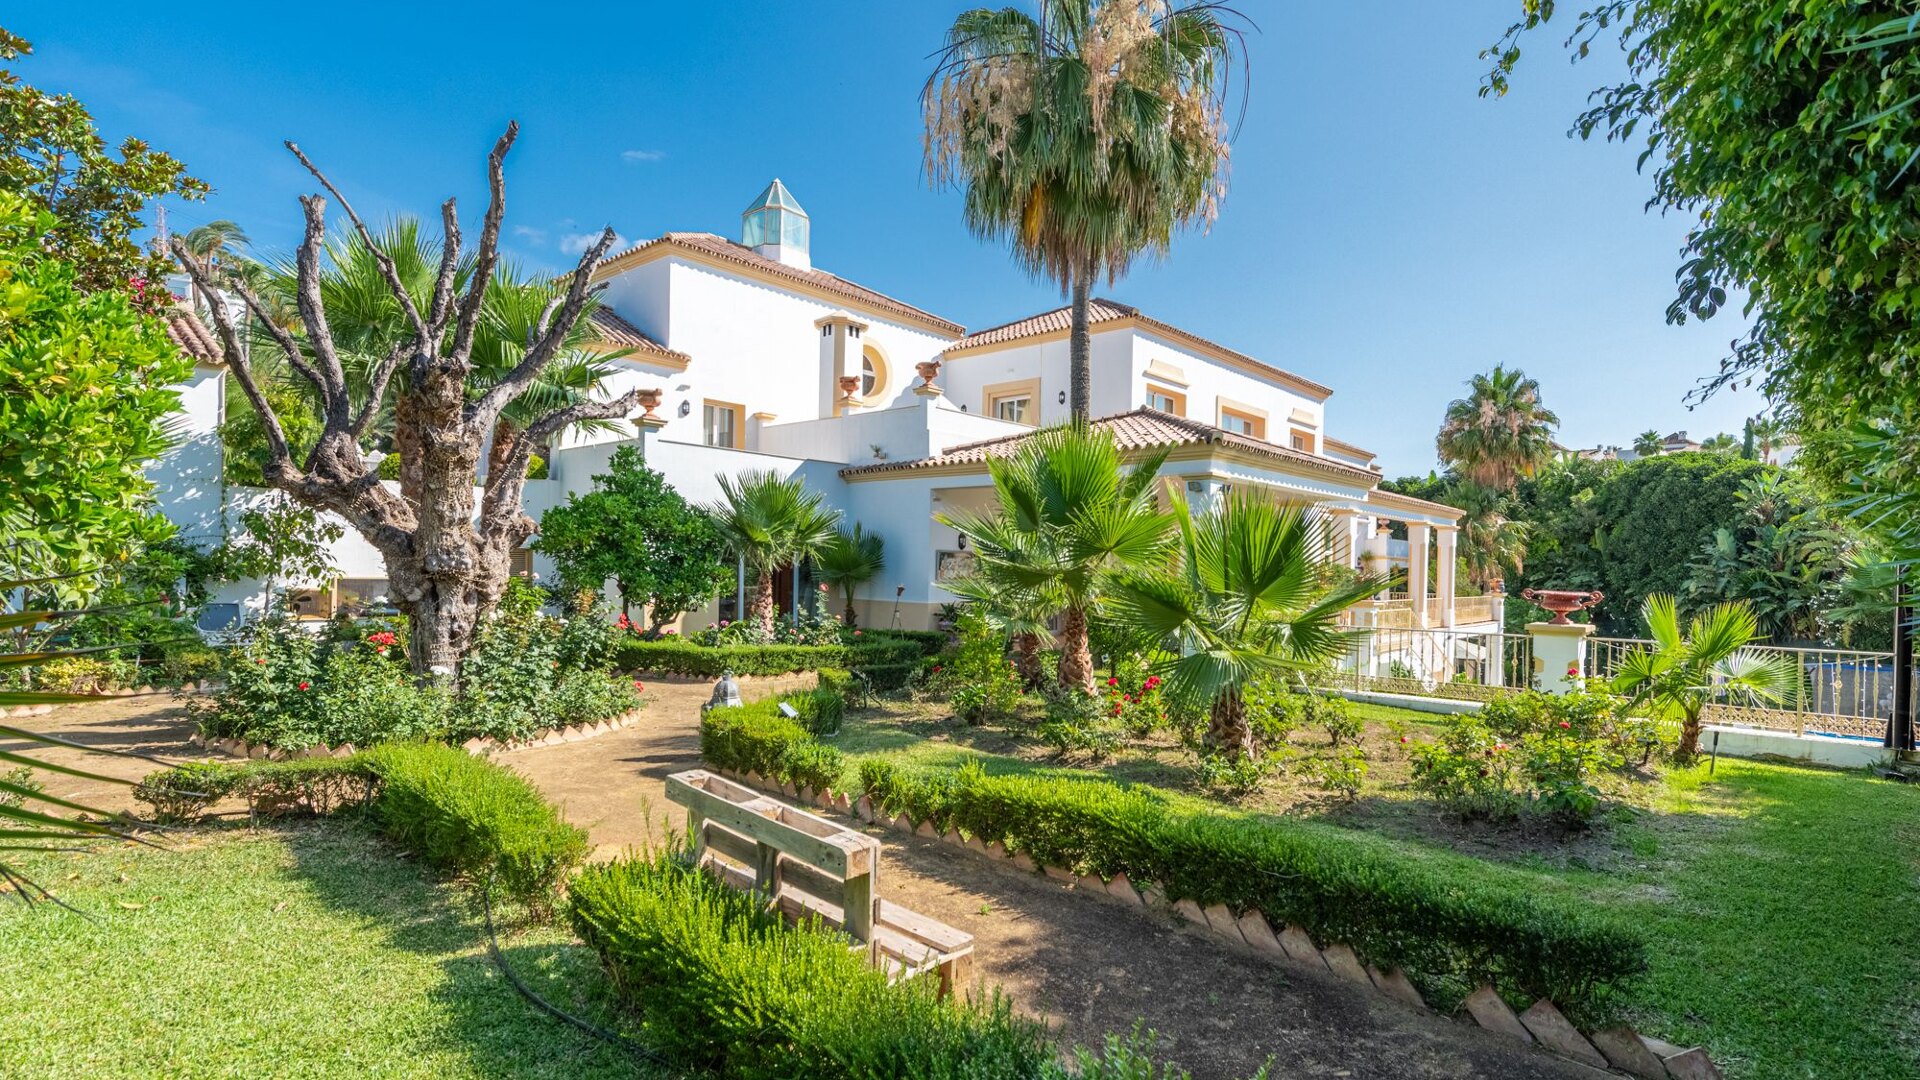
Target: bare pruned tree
{"type": "Point", "coordinates": [447, 562]}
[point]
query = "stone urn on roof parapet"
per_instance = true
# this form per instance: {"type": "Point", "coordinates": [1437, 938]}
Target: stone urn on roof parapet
{"type": "Point", "coordinates": [1563, 602]}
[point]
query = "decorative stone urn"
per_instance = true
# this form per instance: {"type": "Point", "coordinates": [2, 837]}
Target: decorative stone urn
{"type": "Point", "coordinates": [650, 400]}
{"type": "Point", "coordinates": [928, 370]}
{"type": "Point", "coordinates": [1563, 602]}
{"type": "Point", "coordinates": [848, 384]}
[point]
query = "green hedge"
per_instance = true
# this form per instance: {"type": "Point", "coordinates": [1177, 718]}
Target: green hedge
{"type": "Point", "coordinates": [757, 737]}
{"type": "Point", "coordinates": [879, 649]}
{"type": "Point", "coordinates": [185, 793]}
{"type": "Point", "coordinates": [724, 987]}
{"type": "Point", "coordinates": [471, 816]}
{"type": "Point", "coordinates": [1450, 923]}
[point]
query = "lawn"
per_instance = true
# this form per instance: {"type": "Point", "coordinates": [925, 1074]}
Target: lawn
{"type": "Point", "coordinates": [1782, 902]}
{"type": "Point", "coordinates": [313, 950]}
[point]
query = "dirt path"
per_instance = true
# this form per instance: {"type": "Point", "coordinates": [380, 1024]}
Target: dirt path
{"type": "Point", "coordinates": [154, 724]}
{"type": "Point", "coordinates": [1081, 963]}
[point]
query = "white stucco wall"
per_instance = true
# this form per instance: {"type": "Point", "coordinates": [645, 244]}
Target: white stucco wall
{"type": "Point", "coordinates": [967, 378]}
{"type": "Point", "coordinates": [1210, 383]}
{"type": "Point", "coordinates": [913, 427]}
{"type": "Point", "coordinates": [187, 478]}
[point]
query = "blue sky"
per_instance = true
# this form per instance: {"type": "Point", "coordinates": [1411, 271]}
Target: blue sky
{"type": "Point", "coordinates": [1387, 232]}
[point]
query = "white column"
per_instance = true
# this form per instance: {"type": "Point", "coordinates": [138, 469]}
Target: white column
{"type": "Point", "coordinates": [1559, 655]}
{"type": "Point", "coordinates": [1342, 522]}
{"type": "Point", "coordinates": [1444, 583]}
{"type": "Point", "coordinates": [1418, 534]}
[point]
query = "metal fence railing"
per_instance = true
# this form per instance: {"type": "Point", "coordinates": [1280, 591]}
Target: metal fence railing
{"type": "Point", "coordinates": [1465, 665]}
{"type": "Point", "coordinates": [1839, 692]}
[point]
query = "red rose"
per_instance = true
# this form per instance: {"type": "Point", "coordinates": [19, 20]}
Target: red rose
{"type": "Point", "coordinates": [304, 685]}
{"type": "Point", "coordinates": [1113, 682]}
{"type": "Point", "coordinates": [259, 659]}
{"type": "Point", "coordinates": [638, 685]}
{"type": "Point", "coordinates": [1564, 725]}
{"type": "Point", "coordinates": [1403, 738]}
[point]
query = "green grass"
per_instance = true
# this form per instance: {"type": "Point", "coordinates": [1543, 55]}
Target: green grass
{"type": "Point", "coordinates": [308, 950]}
{"type": "Point", "coordinates": [1782, 902]}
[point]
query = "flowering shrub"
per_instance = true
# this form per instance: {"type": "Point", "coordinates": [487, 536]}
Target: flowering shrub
{"type": "Point", "coordinates": [1080, 722]}
{"type": "Point", "coordinates": [1533, 753]}
{"type": "Point", "coordinates": [1134, 699]}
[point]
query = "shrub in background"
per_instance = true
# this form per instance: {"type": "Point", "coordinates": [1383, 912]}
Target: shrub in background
{"type": "Point", "coordinates": [1449, 922]}
{"type": "Point", "coordinates": [979, 681]}
{"type": "Point", "coordinates": [872, 650]}
{"type": "Point", "coordinates": [188, 792]}
{"type": "Point", "coordinates": [84, 675]}
{"type": "Point", "coordinates": [1079, 721]}
{"type": "Point", "coordinates": [1530, 754]}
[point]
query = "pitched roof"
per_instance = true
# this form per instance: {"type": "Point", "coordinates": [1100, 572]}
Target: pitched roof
{"type": "Point", "coordinates": [186, 331]}
{"type": "Point", "coordinates": [617, 331]}
{"type": "Point", "coordinates": [1140, 429]}
{"type": "Point", "coordinates": [1060, 320]}
{"type": "Point", "coordinates": [719, 247]}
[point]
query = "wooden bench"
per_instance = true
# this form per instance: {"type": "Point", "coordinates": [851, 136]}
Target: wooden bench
{"type": "Point", "coordinates": [808, 866]}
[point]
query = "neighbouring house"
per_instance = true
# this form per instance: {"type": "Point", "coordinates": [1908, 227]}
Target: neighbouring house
{"type": "Point", "coordinates": [760, 360]}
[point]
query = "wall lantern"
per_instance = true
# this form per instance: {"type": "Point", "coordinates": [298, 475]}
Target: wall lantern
{"type": "Point", "coordinates": [686, 407]}
{"type": "Point", "coordinates": [1063, 397]}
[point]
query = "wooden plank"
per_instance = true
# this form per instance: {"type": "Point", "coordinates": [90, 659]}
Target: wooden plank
{"type": "Point", "coordinates": [859, 896]}
{"type": "Point", "coordinates": [837, 855]}
{"type": "Point", "coordinates": [815, 840]}
{"type": "Point", "coordinates": [922, 928]}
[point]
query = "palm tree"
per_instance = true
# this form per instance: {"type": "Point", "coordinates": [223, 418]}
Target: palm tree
{"type": "Point", "coordinates": [1769, 434]}
{"type": "Point", "coordinates": [1244, 598]}
{"type": "Point", "coordinates": [849, 560]}
{"type": "Point", "coordinates": [1494, 545]}
{"type": "Point", "coordinates": [1086, 136]}
{"type": "Point", "coordinates": [1648, 443]}
{"type": "Point", "coordinates": [217, 244]}
{"type": "Point", "coordinates": [1022, 611]}
{"type": "Point", "coordinates": [1069, 519]}
{"type": "Point", "coordinates": [769, 523]}
{"type": "Point", "coordinates": [1684, 674]}
{"type": "Point", "coordinates": [1722, 443]}
{"type": "Point", "coordinates": [1499, 432]}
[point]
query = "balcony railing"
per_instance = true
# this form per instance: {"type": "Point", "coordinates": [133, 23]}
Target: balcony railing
{"type": "Point", "coordinates": [1397, 613]}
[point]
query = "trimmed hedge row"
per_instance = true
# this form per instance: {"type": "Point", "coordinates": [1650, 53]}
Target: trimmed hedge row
{"type": "Point", "coordinates": [460, 812]}
{"type": "Point", "coordinates": [721, 985]}
{"type": "Point", "coordinates": [757, 737]}
{"type": "Point", "coordinates": [471, 816]}
{"type": "Point", "coordinates": [1451, 925]}
{"type": "Point", "coordinates": [880, 649]}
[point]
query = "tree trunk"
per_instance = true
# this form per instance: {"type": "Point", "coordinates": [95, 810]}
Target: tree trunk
{"type": "Point", "coordinates": [1228, 732]}
{"type": "Point", "coordinates": [1080, 350]}
{"type": "Point", "coordinates": [1076, 660]}
{"type": "Point", "coordinates": [853, 617]}
{"type": "Point", "coordinates": [1689, 747]}
{"type": "Point", "coordinates": [762, 608]}
{"type": "Point", "coordinates": [1026, 652]}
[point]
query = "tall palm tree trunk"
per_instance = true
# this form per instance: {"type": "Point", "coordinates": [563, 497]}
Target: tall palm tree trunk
{"type": "Point", "coordinates": [1689, 745]}
{"type": "Point", "coordinates": [1227, 729]}
{"type": "Point", "coordinates": [1026, 654]}
{"type": "Point", "coordinates": [1076, 659]}
{"type": "Point", "coordinates": [762, 609]}
{"type": "Point", "coordinates": [1080, 349]}
{"type": "Point", "coordinates": [852, 617]}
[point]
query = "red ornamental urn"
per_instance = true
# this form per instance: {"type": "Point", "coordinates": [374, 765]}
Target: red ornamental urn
{"type": "Point", "coordinates": [848, 384]}
{"type": "Point", "coordinates": [1563, 602]}
{"type": "Point", "coordinates": [928, 371]}
{"type": "Point", "coordinates": [650, 400]}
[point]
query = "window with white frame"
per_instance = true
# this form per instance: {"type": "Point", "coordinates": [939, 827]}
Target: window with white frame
{"type": "Point", "coordinates": [1016, 407]}
{"type": "Point", "coordinates": [721, 424]}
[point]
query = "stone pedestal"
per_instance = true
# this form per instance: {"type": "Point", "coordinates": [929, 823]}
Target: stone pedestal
{"type": "Point", "coordinates": [1559, 655]}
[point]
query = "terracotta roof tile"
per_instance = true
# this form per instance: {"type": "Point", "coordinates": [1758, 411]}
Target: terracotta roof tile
{"type": "Point", "coordinates": [721, 248]}
{"type": "Point", "coordinates": [186, 330]}
{"type": "Point", "coordinates": [1100, 311]}
{"type": "Point", "coordinates": [1136, 430]}
{"type": "Point", "coordinates": [617, 331]}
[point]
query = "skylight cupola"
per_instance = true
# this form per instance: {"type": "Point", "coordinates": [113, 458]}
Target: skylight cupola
{"type": "Point", "coordinates": [773, 225]}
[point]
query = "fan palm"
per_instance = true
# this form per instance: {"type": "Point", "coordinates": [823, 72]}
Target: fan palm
{"type": "Point", "coordinates": [1648, 443]}
{"type": "Point", "coordinates": [848, 561]}
{"type": "Point", "coordinates": [1493, 544]}
{"type": "Point", "coordinates": [1499, 432]}
{"type": "Point", "coordinates": [1245, 598]}
{"type": "Point", "coordinates": [1710, 662]}
{"type": "Point", "coordinates": [1022, 611]}
{"type": "Point", "coordinates": [366, 321]}
{"type": "Point", "coordinates": [1069, 518]}
{"type": "Point", "coordinates": [1084, 137]}
{"type": "Point", "coordinates": [29, 818]}
{"type": "Point", "coordinates": [216, 244]}
{"type": "Point", "coordinates": [768, 523]}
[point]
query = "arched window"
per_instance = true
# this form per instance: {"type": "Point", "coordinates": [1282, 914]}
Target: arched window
{"type": "Point", "coordinates": [873, 372]}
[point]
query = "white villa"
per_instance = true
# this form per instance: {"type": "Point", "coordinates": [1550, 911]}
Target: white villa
{"type": "Point", "coordinates": [759, 360]}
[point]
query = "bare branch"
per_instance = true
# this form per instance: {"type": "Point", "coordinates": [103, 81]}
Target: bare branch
{"type": "Point", "coordinates": [278, 454]}
{"type": "Point", "coordinates": [508, 480]}
{"type": "Point", "coordinates": [332, 379]}
{"type": "Point", "coordinates": [381, 258]}
{"type": "Point", "coordinates": [486, 410]}
{"type": "Point", "coordinates": [443, 284]}
{"type": "Point", "coordinates": [488, 254]}
{"type": "Point", "coordinates": [377, 381]}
